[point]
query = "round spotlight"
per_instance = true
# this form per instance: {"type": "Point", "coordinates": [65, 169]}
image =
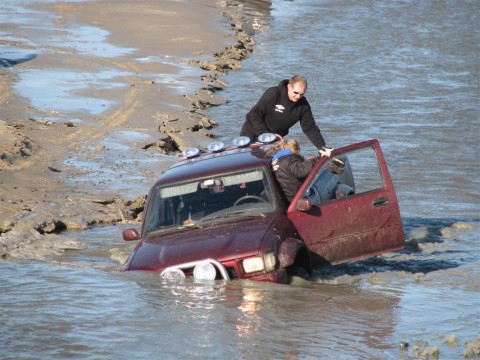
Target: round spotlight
{"type": "Point", "coordinates": [204, 271]}
{"type": "Point", "coordinates": [216, 146]}
{"type": "Point", "coordinates": [267, 138]}
{"type": "Point", "coordinates": [241, 141]}
{"type": "Point", "coordinates": [173, 274]}
{"type": "Point", "coordinates": [191, 152]}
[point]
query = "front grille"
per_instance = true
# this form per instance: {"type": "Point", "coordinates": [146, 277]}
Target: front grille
{"type": "Point", "coordinates": [232, 273]}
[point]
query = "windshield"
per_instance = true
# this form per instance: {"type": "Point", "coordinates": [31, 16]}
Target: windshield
{"type": "Point", "coordinates": [210, 200]}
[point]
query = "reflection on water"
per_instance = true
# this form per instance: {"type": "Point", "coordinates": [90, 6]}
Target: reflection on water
{"type": "Point", "coordinates": [91, 41]}
{"type": "Point", "coordinates": [62, 85]}
{"type": "Point", "coordinates": [81, 304]}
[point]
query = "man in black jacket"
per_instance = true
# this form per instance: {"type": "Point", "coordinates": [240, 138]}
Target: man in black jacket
{"type": "Point", "coordinates": [281, 107]}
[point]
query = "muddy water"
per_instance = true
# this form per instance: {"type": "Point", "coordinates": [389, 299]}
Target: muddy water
{"type": "Point", "coordinates": [405, 73]}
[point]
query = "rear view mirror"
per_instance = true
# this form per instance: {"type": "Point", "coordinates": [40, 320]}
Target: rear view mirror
{"type": "Point", "coordinates": [303, 205]}
{"type": "Point", "coordinates": [210, 183]}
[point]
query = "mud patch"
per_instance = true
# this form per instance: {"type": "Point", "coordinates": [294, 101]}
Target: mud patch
{"type": "Point", "coordinates": [14, 146]}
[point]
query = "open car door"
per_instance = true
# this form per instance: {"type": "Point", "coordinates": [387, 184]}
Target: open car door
{"type": "Point", "coordinates": [347, 208]}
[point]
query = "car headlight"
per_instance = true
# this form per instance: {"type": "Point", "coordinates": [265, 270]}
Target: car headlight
{"type": "Point", "coordinates": [265, 262]}
{"type": "Point", "coordinates": [270, 261]}
{"type": "Point", "coordinates": [204, 271]}
{"type": "Point", "coordinates": [174, 274]}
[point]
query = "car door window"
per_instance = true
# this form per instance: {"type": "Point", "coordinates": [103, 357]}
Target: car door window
{"type": "Point", "coordinates": [353, 172]}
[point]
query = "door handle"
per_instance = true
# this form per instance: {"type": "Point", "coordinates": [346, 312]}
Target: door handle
{"type": "Point", "coordinates": [381, 201]}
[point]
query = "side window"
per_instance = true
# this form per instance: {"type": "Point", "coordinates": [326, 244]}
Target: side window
{"type": "Point", "coordinates": [366, 170]}
{"type": "Point", "coordinates": [161, 212]}
{"type": "Point", "coordinates": [344, 175]}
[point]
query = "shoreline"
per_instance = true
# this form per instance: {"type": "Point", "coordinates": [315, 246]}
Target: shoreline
{"type": "Point", "coordinates": [42, 192]}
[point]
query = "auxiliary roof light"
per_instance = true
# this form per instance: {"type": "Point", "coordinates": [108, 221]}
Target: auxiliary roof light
{"type": "Point", "coordinates": [216, 146]}
{"type": "Point", "coordinates": [241, 141]}
{"type": "Point", "coordinates": [267, 138]}
{"type": "Point", "coordinates": [191, 152]}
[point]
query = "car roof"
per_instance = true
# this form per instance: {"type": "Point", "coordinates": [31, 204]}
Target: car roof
{"type": "Point", "coordinates": [226, 161]}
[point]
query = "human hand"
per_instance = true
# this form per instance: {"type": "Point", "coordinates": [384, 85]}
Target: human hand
{"type": "Point", "coordinates": [325, 151]}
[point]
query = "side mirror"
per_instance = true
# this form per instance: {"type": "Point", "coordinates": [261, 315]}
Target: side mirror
{"type": "Point", "coordinates": [304, 205]}
{"type": "Point", "coordinates": [130, 234]}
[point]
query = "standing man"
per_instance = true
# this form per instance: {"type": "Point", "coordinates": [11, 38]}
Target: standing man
{"type": "Point", "coordinates": [281, 107]}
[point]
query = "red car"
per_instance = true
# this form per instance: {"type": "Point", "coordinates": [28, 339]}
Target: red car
{"type": "Point", "coordinates": [217, 214]}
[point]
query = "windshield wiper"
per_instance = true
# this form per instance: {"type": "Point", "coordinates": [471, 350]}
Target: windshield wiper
{"type": "Point", "coordinates": [245, 214]}
{"type": "Point", "coordinates": [175, 226]}
{"type": "Point", "coordinates": [190, 225]}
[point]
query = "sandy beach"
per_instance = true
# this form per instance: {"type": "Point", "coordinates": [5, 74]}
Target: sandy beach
{"type": "Point", "coordinates": [155, 105]}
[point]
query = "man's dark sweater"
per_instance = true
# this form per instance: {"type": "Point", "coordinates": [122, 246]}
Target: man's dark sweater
{"type": "Point", "coordinates": [276, 113]}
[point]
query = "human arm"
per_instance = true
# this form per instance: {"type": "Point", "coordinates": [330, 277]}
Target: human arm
{"type": "Point", "coordinates": [310, 127]}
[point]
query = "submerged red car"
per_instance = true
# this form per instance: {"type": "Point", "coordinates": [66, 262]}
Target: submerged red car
{"type": "Point", "coordinates": [217, 214]}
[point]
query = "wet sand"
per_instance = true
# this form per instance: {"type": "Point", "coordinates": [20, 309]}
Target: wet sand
{"type": "Point", "coordinates": [157, 109]}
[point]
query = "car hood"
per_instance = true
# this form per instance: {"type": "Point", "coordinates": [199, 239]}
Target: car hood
{"type": "Point", "coordinates": [221, 242]}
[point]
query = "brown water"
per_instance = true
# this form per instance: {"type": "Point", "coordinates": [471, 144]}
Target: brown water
{"type": "Point", "coordinates": [405, 73]}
